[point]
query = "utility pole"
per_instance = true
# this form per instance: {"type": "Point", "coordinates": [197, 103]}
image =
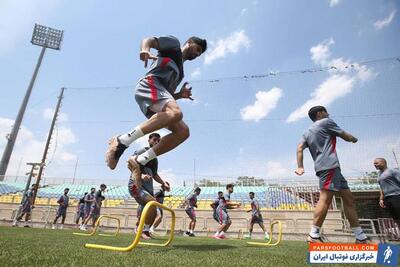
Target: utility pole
{"type": "Point", "coordinates": [395, 158]}
{"type": "Point", "coordinates": [46, 149]}
{"type": "Point", "coordinates": [46, 38]}
{"type": "Point", "coordinates": [76, 167]}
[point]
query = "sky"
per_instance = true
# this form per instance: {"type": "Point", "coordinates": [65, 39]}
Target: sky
{"type": "Point", "coordinates": [238, 126]}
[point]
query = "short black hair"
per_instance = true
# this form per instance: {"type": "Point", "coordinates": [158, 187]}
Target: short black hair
{"type": "Point", "coordinates": [229, 186]}
{"type": "Point", "coordinates": [66, 189]}
{"type": "Point", "coordinates": [382, 159]}
{"type": "Point", "coordinates": [251, 193]}
{"type": "Point", "coordinates": [92, 188]}
{"type": "Point", "coordinates": [103, 185]}
{"type": "Point", "coordinates": [154, 135]}
{"type": "Point", "coordinates": [197, 189]}
{"type": "Point", "coordinates": [220, 192]}
{"type": "Point", "coordinates": [312, 113]}
{"type": "Point", "coordinates": [201, 42]}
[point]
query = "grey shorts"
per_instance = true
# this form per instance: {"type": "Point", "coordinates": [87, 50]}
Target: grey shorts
{"type": "Point", "coordinates": [191, 213]}
{"type": "Point", "coordinates": [257, 219]}
{"type": "Point", "coordinates": [27, 208]}
{"type": "Point", "coordinates": [332, 180]}
{"type": "Point", "coordinates": [62, 212]}
{"type": "Point", "coordinates": [151, 96]}
{"type": "Point", "coordinates": [223, 217]}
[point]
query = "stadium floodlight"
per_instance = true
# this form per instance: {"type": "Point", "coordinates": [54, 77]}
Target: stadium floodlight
{"type": "Point", "coordinates": [45, 37]}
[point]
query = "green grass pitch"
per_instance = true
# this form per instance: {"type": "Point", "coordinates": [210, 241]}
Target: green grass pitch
{"type": "Point", "coordinates": [45, 247]}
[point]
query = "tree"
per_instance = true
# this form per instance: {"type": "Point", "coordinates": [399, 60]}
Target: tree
{"type": "Point", "coordinates": [207, 182]}
{"type": "Point", "coordinates": [370, 177]}
{"type": "Point", "coordinates": [249, 181]}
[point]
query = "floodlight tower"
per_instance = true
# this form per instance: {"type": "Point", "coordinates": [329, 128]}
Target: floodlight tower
{"type": "Point", "coordinates": [46, 38]}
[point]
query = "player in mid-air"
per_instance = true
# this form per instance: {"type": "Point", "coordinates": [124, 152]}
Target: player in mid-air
{"type": "Point", "coordinates": [156, 97]}
{"type": "Point", "coordinates": [140, 184]}
{"type": "Point", "coordinates": [320, 139]}
{"type": "Point", "coordinates": [256, 216]}
{"type": "Point", "coordinates": [191, 203]}
{"type": "Point", "coordinates": [63, 202]}
{"type": "Point", "coordinates": [224, 204]}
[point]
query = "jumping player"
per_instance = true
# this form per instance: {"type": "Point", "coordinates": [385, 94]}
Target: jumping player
{"type": "Point", "coordinates": [256, 216]}
{"type": "Point", "coordinates": [140, 184]}
{"type": "Point", "coordinates": [63, 202]}
{"type": "Point", "coordinates": [191, 203]}
{"type": "Point", "coordinates": [320, 139]}
{"type": "Point", "coordinates": [156, 97]}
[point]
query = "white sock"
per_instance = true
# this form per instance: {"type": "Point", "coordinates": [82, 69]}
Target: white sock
{"type": "Point", "coordinates": [217, 233]}
{"type": "Point", "coordinates": [314, 233]}
{"type": "Point", "coordinates": [221, 233]}
{"type": "Point", "coordinates": [130, 137]}
{"type": "Point", "coordinates": [152, 228]}
{"type": "Point", "coordinates": [146, 156]}
{"type": "Point", "coordinates": [359, 233]}
{"type": "Point", "coordinates": [146, 227]}
{"type": "Point", "coordinates": [191, 231]}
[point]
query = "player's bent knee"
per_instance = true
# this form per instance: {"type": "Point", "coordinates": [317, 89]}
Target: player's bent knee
{"type": "Point", "coordinates": [184, 131]}
{"type": "Point", "coordinates": [175, 115]}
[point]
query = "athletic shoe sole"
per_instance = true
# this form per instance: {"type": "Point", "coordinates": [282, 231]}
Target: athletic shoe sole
{"type": "Point", "coordinates": [114, 152]}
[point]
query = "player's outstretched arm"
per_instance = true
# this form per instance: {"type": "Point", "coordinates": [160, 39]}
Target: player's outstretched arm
{"type": "Point", "coordinates": [348, 137]}
{"type": "Point", "coordinates": [300, 156]}
{"type": "Point", "coordinates": [146, 45]}
{"type": "Point", "coordinates": [159, 180]}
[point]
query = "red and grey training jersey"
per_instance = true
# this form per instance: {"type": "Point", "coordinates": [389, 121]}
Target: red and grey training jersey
{"type": "Point", "coordinates": [255, 207]}
{"type": "Point", "coordinates": [168, 67]}
{"type": "Point", "coordinates": [191, 201]}
{"type": "Point", "coordinates": [320, 138]}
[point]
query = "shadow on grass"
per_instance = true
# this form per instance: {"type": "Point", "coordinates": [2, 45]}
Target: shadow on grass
{"type": "Point", "coordinates": [202, 247]}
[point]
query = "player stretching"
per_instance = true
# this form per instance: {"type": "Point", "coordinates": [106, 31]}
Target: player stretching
{"type": "Point", "coordinates": [222, 212]}
{"type": "Point", "coordinates": [320, 138]}
{"type": "Point", "coordinates": [191, 203]}
{"type": "Point", "coordinates": [256, 216]}
{"type": "Point", "coordinates": [156, 97]}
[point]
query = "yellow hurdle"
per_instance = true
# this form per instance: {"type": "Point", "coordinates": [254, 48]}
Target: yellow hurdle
{"type": "Point", "coordinates": [136, 240]}
{"type": "Point", "coordinates": [97, 224]}
{"type": "Point", "coordinates": [269, 243]}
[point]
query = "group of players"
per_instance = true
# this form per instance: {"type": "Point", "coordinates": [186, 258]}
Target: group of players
{"type": "Point", "coordinates": [157, 98]}
{"type": "Point", "coordinates": [88, 208]}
